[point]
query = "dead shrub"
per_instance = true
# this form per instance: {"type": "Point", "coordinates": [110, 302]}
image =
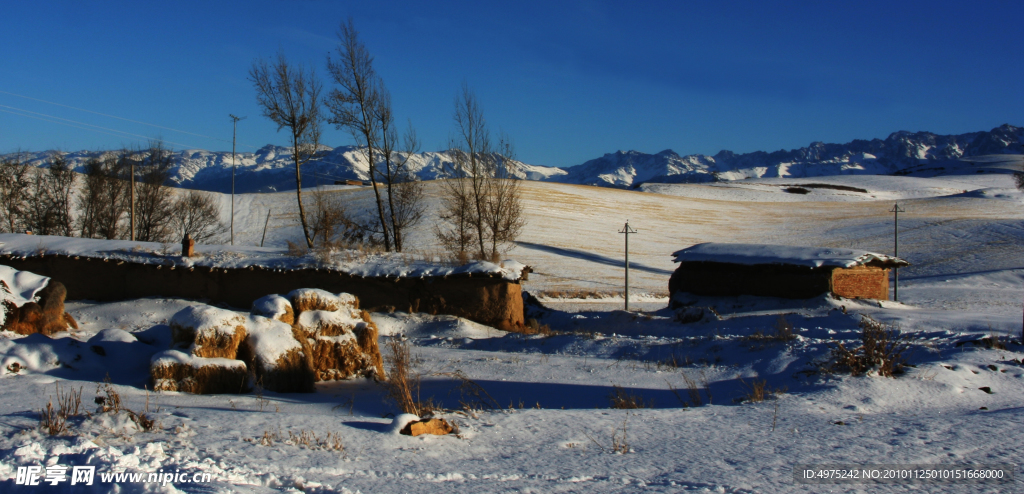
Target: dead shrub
{"type": "Point", "coordinates": [54, 420]}
{"type": "Point", "coordinates": [619, 442]}
{"type": "Point", "coordinates": [403, 386]}
{"type": "Point", "coordinates": [296, 250]}
{"type": "Point", "coordinates": [882, 350]}
{"type": "Point", "coordinates": [110, 401]}
{"type": "Point", "coordinates": [783, 333]}
{"type": "Point", "coordinates": [758, 391]}
{"type": "Point", "coordinates": [534, 327]}
{"type": "Point", "coordinates": [622, 399]}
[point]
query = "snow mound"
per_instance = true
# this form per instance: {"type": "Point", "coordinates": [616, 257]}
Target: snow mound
{"type": "Point", "coordinates": [20, 287]}
{"type": "Point", "coordinates": [274, 307]}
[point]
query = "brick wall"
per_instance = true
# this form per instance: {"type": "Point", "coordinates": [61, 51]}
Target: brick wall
{"type": "Point", "coordinates": [861, 282]}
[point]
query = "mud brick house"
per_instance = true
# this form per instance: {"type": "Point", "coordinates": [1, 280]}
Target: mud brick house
{"type": "Point", "coordinates": [785, 271]}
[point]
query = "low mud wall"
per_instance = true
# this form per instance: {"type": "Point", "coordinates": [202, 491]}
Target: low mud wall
{"type": "Point", "coordinates": [489, 300]}
{"type": "Point", "coordinates": [785, 281]}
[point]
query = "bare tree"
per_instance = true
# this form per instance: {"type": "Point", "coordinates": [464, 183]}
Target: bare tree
{"type": "Point", "coordinates": [196, 214]}
{"type": "Point", "coordinates": [154, 202]}
{"type": "Point", "coordinates": [290, 97]}
{"type": "Point", "coordinates": [355, 104]}
{"type": "Point", "coordinates": [61, 181]}
{"type": "Point", "coordinates": [15, 181]}
{"type": "Point", "coordinates": [104, 200]}
{"type": "Point", "coordinates": [481, 203]}
{"type": "Point", "coordinates": [405, 191]}
{"type": "Point", "coordinates": [503, 214]}
{"type": "Point", "coordinates": [329, 221]}
{"type": "Point", "coordinates": [481, 200]}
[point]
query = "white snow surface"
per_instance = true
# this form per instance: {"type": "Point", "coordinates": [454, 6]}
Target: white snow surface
{"type": "Point", "coordinates": [272, 306]}
{"type": "Point", "coordinates": [545, 423]}
{"type": "Point", "coordinates": [208, 320]}
{"type": "Point", "coordinates": [752, 254]}
{"type": "Point", "coordinates": [21, 286]}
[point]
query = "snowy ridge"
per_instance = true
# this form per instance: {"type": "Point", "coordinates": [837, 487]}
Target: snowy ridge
{"type": "Point", "coordinates": [896, 154]}
{"type": "Point", "coordinates": [270, 168]}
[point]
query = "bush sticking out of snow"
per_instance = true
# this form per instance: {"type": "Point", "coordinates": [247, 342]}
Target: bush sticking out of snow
{"type": "Point", "coordinates": [881, 352]}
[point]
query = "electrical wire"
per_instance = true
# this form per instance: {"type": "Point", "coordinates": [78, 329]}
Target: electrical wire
{"type": "Point", "coordinates": [122, 118]}
{"type": "Point", "coordinates": [84, 126]}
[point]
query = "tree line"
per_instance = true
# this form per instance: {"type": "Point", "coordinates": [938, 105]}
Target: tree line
{"type": "Point", "coordinates": [115, 188]}
{"type": "Point", "coordinates": [482, 212]}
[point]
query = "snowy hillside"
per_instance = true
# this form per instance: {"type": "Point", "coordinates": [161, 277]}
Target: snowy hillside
{"type": "Point", "coordinates": [269, 169]}
{"type": "Point", "coordinates": [898, 152]}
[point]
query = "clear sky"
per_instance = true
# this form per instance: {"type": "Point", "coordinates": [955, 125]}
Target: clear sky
{"type": "Point", "coordinates": [567, 80]}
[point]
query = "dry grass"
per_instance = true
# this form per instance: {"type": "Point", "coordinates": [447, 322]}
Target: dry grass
{"type": "Point", "coordinates": [54, 420]}
{"type": "Point", "coordinates": [619, 442]}
{"type": "Point", "coordinates": [534, 327]}
{"type": "Point", "coordinates": [758, 391]}
{"type": "Point", "coordinates": [622, 399]}
{"type": "Point", "coordinates": [882, 349]}
{"type": "Point", "coordinates": [403, 386]}
{"type": "Point", "coordinates": [110, 401]}
{"type": "Point", "coordinates": [578, 294]}
{"type": "Point", "coordinates": [783, 333]}
{"type": "Point", "coordinates": [305, 439]}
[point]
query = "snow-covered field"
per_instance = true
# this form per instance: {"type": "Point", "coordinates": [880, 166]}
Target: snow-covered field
{"type": "Point", "coordinates": [549, 426]}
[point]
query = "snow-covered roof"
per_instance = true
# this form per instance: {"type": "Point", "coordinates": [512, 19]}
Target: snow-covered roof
{"type": "Point", "coordinates": [384, 265]}
{"type": "Point", "coordinates": [812, 257]}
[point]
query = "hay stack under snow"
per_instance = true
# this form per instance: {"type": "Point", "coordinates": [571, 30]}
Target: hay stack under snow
{"type": "Point", "coordinates": [304, 299]}
{"type": "Point", "coordinates": [208, 332]}
{"type": "Point", "coordinates": [278, 360]}
{"type": "Point", "coordinates": [174, 370]}
{"type": "Point", "coordinates": [342, 343]}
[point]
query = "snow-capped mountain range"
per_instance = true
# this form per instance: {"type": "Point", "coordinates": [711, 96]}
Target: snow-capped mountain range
{"type": "Point", "coordinates": [270, 168]}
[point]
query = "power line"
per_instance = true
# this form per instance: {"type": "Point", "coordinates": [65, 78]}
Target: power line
{"type": "Point", "coordinates": [79, 125]}
{"type": "Point", "coordinates": [122, 118]}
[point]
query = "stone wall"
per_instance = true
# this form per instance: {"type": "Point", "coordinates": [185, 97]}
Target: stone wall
{"type": "Point", "coordinates": [489, 300]}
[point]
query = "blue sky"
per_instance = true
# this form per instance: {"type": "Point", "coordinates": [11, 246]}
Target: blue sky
{"type": "Point", "coordinates": [567, 80]}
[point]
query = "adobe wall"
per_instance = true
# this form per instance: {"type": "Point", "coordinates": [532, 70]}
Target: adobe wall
{"type": "Point", "coordinates": [493, 301]}
{"type": "Point", "coordinates": [724, 279]}
{"type": "Point", "coordinates": [861, 282]}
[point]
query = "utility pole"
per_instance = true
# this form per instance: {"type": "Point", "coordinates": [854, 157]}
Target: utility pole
{"type": "Point", "coordinates": [234, 132]}
{"type": "Point", "coordinates": [627, 230]}
{"type": "Point", "coordinates": [896, 210]}
{"type": "Point", "coordinates": [131, 218]}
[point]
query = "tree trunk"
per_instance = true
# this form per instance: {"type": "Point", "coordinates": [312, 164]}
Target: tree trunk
{"type": "Point", "coordinates": [298, 191]}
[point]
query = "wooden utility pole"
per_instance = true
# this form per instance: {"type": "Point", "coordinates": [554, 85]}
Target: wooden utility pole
{"type": "Point", "coordinates": [896, 210]}
{"type": "Point", "coordinates": [131, 195]}
{"type": "Point", "coordinates": [234, 132]}
{"type": "Point", "coordinates": [627, 230]}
